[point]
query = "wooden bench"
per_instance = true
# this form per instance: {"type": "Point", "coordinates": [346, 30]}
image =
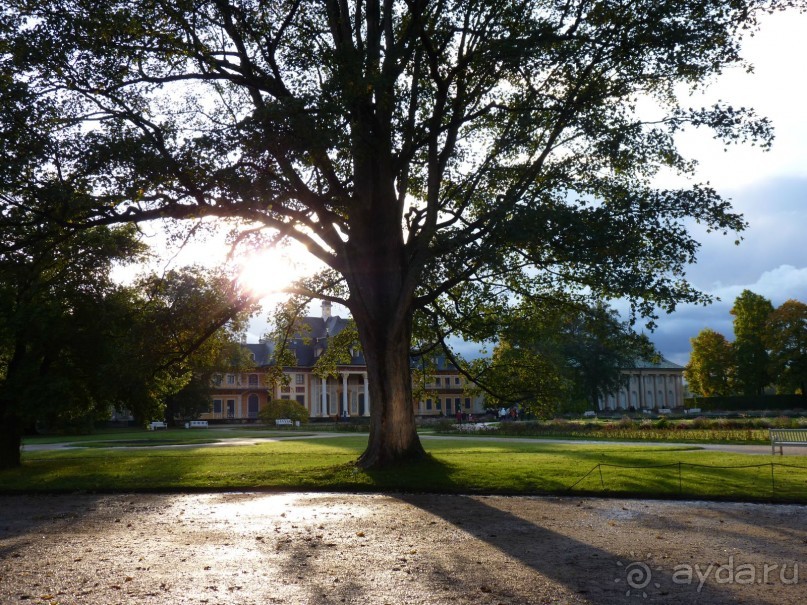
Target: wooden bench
{"type": "Point", "coordinates": [157, 424]}
{"type": "Point", "coordinates": [283, 422]}
{"type": "Point", "coordinates": [783, 437]}
{"type": "Point", "coordinates": [196, 424]}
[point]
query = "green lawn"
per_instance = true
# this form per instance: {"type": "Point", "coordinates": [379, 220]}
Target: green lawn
{"type": "Point", "coordinates": [457, 466]}
{"type": "Point", "coordinates": [176, 435]}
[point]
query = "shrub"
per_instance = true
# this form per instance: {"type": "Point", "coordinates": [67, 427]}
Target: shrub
{"type": "Point", "coordinates": [283, 408]}
{"type": "Point", "coordinates": [701, 422]}
{"type": "Point", "coordinates": [443, 425]}
{"type": "Point", "coordinates": [783, 422]}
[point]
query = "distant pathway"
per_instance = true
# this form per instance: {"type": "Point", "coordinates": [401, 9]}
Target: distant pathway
{"type": "Point", "coordinates": [695, 447]}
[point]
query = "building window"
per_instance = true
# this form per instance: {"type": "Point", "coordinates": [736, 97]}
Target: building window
{"type": "Point", "coordinates": [217, 406]}
{"type": "Point", "coordinates": [438, 404]}
{"type": "Point", "coordinates": [457, 404]}
{"type": "Point", "coordinates": [253, 380]}
{"type": "Point", "coordinates": [230, 378]}
{"type": "Point", "coordinates": [467, 404]}
{"type": "Point", "coordinates": [301, 400]}
{"type": "Point", "coordinates": [299, 379]}
{"type": "Point", "coordinates": [437, 381]}
{"type": "Point", "coordinates": [252, 406]}
{"type": "Point", "coordinates": [216, 379]}
{"type": "Point", "coordinates": [428, 404]}
{"type": "Point", "coordinates": [231, 408]}
{"type": "Point", "coordinates": [456, 380]}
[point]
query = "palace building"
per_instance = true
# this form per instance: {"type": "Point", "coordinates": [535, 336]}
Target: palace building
{"type": "Point", "coordinates": [239, 396]}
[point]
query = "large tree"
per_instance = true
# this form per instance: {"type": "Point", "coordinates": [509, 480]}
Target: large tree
{"type": "Point", "coordinates": [751, 313]}
{"type": "Point", "coordinates": [434, 155]}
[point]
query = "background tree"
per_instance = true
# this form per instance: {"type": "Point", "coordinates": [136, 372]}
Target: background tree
{"type": "Point", "coordinates": [560, 355]}
{"type": "Point", "coordinates": [186, 326]}
{"type": "Point", "coordinates": [518, 374]}
{"type": "Point", "coordinates": [208, 315]}
{"type": "Point", "coordinates": [598, 346]}
{"type": "Point", "coordinates": [434, 155]}
{"type": "Point", "coordinates": [752, 373]}
{"type": "Point", "coordinates": [58, 309]}
{"type": "Point", "coordinates": [786, 338]}
{"type": "Point", "coordinates": [710, 370]}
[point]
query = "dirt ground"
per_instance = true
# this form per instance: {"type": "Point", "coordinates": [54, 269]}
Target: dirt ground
{"type": "Point", "coordinates": [256, 548]}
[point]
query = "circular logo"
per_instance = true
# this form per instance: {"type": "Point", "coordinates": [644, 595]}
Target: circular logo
{"type": "Point", "coordinates": [638, 575]}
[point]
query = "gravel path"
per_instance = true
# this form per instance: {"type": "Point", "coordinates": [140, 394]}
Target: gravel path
{"type": "Point", "coordinates": [254, 548]}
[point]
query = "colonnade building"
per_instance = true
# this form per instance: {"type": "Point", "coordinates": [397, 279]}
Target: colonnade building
{"type": "Point", "coordinates": [648, 386]}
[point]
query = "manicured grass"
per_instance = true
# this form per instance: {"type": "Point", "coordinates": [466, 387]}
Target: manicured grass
{"type": "Point", "coordinates": [175, 435]}
{"type": "Point", "coordinates": [456, 466]}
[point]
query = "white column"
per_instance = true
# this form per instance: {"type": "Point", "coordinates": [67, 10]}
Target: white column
{"type": "Point", "coordinates": [344, 392]}
{"type": "Point", "coordinates": [324, 397]}
{"type": "Point", "coordinates": [366, 396]}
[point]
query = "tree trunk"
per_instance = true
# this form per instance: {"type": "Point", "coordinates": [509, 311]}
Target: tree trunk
{"type": "Point", "coordinates": [393, 434]}
{"type": "Point", "coordinates": [10, 441]}
{"type": "Point", "coordinates": [381, 302]}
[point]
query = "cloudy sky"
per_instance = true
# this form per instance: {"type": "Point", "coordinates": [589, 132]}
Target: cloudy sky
{"type": "Point", "coordinates": [768, 188]}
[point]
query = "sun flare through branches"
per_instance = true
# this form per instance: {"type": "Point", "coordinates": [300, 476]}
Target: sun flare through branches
{"type": "Point", "coordinates": [267, 274]}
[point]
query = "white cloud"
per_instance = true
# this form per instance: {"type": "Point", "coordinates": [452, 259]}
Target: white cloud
{"type": "Point", "coordinates": [775, 90]}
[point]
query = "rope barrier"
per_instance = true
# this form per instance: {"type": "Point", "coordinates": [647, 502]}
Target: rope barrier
{"type": "Point", "coordinates": [680, 466]}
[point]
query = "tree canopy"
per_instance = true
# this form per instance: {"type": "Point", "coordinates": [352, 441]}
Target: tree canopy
{"type": "Point", "coordinates": [548, 357]}
{"type": "Point", "coordinates": [751, 312]}
{"type": "Point", "coordinates": [440, 158]}
{"type": "Point", "coordinates": [710, 371]}
{"type": "Point", "coordinates": [786, 337]}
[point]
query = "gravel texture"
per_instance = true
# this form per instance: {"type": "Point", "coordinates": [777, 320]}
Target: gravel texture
{"type": "Point", "coordinates": [258, 548]}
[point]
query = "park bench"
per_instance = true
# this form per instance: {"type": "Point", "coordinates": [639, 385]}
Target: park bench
{"type": "Point", "coordinates": [196, 424]}
{"type": "Point", "coordinates": [157, 424]}
{"type": "Point", "coordinates": [283, 422]}
{"type": "Point", "coordinates": [783, 437]}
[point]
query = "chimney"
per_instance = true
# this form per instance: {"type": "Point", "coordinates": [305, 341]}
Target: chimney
{"type": "Point", "coordinates": [326, 310]}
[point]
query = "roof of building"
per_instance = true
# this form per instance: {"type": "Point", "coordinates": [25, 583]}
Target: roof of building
{"type": "Point", "coordinates": [308, 343]}
{"type": "Point", "coordinates": [661, 364]}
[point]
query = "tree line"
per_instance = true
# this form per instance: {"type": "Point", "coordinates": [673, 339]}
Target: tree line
{"type": "Point", "coordinates": [769, 351]}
